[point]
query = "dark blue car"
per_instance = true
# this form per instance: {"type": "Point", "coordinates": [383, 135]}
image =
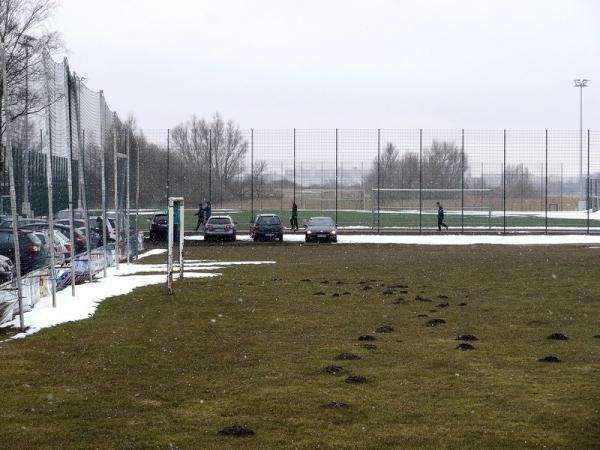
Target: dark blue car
{"type": "Point", "coordinates": [266, 226]}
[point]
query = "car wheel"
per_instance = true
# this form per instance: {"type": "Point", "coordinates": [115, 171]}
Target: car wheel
{"type": "Point", "coordinates": [306, 239]}
{"type": "Point", "coordinates": [233, 238]}
{"type": "Point", "coordinates": [281, 237]}
{"type": "Point", "coordinates": [255, 237]}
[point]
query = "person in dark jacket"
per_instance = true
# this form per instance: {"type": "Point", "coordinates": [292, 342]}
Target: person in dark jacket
{"type": "Point", "coordinates": [200, 215]}
{"type": "Point", "coordinates": [294, 218]}
{"type": "Point", "coordinates": [207, 212]}
{"type": "Point", "coordinates": [441, 217]}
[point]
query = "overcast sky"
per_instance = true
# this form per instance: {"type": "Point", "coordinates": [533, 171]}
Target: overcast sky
{"type": "Point", "coordinates": [346, 64]}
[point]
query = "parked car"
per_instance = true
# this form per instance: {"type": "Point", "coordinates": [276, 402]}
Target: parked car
{"type": "Point", "coordinates": [22, 222]}
{"type": "Point", "coordinates": [7, 269]}
{"type": "Point", "coordinates": [79, 237]}
{"type": "Point", "coordinates": [31, 248]}
{"type": "Point", "coordinates": [159, 224]}
{"type": "Point", "coordinates": [95, 237]}
{"type": "Point", "coordinates": [320, 229]}
{"type": "Point", "coordinates": [220, 227]}
{"type": "Point", "coordinates": [111, 228]}
{"type": "Point", "coordinates": [266, 226]}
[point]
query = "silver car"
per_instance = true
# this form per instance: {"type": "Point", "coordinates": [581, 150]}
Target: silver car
{"type": "Point", "coordinates": [220, 227]}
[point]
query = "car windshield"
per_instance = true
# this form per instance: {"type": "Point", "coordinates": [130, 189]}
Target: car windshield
{"type": "Point", "coordinates": [320, 222]}
{"type": "Point", "coordinates": [219, 221]}
{"type": "Point", "coordinates": [160, 218]}
{"type": "Point", "coordinates": [268, 220]}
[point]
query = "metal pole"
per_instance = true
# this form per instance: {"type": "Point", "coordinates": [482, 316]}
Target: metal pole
{"type": "Point", "coordinates": [462, 182]}
{"type": "Point", "coordinates": [84, 203]}
{"type": "Point", "coordinates": [580, 134]}
{"type": "Point", "coordinates": [127, 191]}
{"type": "Point", "coordinates": [103, 185]}
{"type": "Point", "coordinates": [294, 165]}
{"type": "Point", "coordinates": [378, 176]}
{"type": "Point", "coordinates": [420, 180]}
{"type": "Point", "coordinates": [70, 177]}
{"type": "Point", "coordinates": [137, 196]}
{"type": "Point", "coordinates": [252, 174]}
{"type": "Point", "coordinates": [336, 175]}
{"type": "Point", "coordinates": [50, 205]}
{"type": "Point", "coordinates": [281, 184]}
{"type": "Point", "coordinates": [561, 186]}
{"type": "Point", "coordinates": [13, 193]}
{"type": "Point", "coordinates": [210, 165]}
{"type": "Point", "coordinates": [504, 184]}
{"type": "Point", "coordinates": [546, 181]}
{"type": "Point", "coordinates": [115, 175]}
{"type": "Point", "coordinates": [170, 248]}
{"type": "Point", "coordinates": [168, 161]}
{"type": "Point", "coordinates": [25, 206]}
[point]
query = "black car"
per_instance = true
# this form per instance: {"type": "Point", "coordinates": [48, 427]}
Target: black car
{"type": "Point", "coordinates": [33, 254]}
{"type": "Point", "coordinates": [266, 226]}
{"type": "Point", "coordinates": [320, 229]}
{"type": "Point", "coordinates": [159, 224]}
{"type": "Point", "coordinates": [7, 270]}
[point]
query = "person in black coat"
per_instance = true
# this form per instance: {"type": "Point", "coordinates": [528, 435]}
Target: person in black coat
{"type": "Point", "coordinates": [294, 218]}
{"type": "Point", "coordinates": [200, 215]}
{"type": "Point", "coordinates": [441, 217]}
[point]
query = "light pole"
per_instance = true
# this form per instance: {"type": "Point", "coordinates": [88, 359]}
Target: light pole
{"type": "Point", "coordinates": [26, 205]}
{"type": "Point", "coordinates": [581, 83]}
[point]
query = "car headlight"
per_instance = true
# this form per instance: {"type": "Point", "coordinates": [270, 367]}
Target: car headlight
{"type": "Point", "coordinates": [308, 232]}
{"type": "Point", "coordinates": [333, 232]}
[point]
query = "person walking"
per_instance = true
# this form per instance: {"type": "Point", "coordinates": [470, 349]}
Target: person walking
{"type": "Point", "coordinates": [207, 212]}
{"type": "Point", "coordinates": [294, 218]}
{"type": "Point", "coordinates": [440, 216]}
{"type": "Point", "coordinates": [200, 215]}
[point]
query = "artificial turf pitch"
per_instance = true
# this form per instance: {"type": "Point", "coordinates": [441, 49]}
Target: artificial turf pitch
{"type": "Point", "coordinates": [150, 370]}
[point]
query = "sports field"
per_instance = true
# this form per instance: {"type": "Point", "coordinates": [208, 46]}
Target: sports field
{"type": "Point", "coordinates": [251, 348]}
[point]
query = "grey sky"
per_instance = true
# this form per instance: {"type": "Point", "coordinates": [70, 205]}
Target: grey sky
{"type": "Point", "coordinates": [346, 64]}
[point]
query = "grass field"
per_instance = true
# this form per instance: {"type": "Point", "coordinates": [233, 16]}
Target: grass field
{"type": "Point", "coordinates": [153, 371]}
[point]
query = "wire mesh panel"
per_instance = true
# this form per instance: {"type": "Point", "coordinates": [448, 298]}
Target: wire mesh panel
{"type": "Point", "coordinates": [594, 181]}
{"type": "Point", "coordinates": [356, 177]}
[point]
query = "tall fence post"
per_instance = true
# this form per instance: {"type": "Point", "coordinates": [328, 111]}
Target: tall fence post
{"type": "Point", "coordinates": [252, 174]}
{"type": "Point", "coordinates": [378, 175]}
{"type": "Point", "coordinates": [137, 195]}
{"type": "Point", "coordinates": [546, 178]}
{"type": "Point", "coordinates": [70, 175]}
{"type": "Point", "coordinates": [504, 183]}
{"type": "Point", "coordinates": [210, 166]}
{"type": "Point", "coordinates": [115, 176]}
{"type": "Point", "coordinates": [127, 192]}
{"type": "Point", "coordinates": [168, 163]}
{"type": "Point", "coordinates": [50, 206]}
{"type": "Point", "coordinates": [103, 182]}
{"type": "Point", "coordinates": [13, 193]}
{"type": "Point", "coordinates": [336, 175]}
{"type": "Point", "coordinates": [462, 182]}
{"type": "Point", "coordinates": [420, 180]}
{"type": "Point", "coordinates": [294, 165]}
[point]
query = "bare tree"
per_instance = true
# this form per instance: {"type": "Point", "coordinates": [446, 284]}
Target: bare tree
{"type": "Point", "coordinates": [27, 41]}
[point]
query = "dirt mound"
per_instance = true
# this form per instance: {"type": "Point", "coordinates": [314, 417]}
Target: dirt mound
{"type": "Point", "coordinates": [367, 337]}
{"type": "Point", "coordinates": [421, 299]}
{"type": "Point", "coordinates": [557, 337]}
{"type": "Point", "coordinates": [465, 346]}
{"type": "Point", "coordinates": [550, 359]}
{"type": "Point", "coordinates": [466, 337]}
{"type": "Point", "coordinates": [370, 346]}
{"type": "Point", "coordinates": [332, 369]}
{"type": "Point", "coordinates": [346, 293]}
{"type": "Point", "coordinates": [597, 336]}
{"type": "Point", "coordinates": [335, 405]}
{"type": "Point", "coordinates": [400, 301]}
{"type": "Point", "coordinates": [384, 329]}
{"type": "Point", "coordinates": [306, 280]}
{"type": "Point", "coordinates": [462, 304]}
{"type": "Point", "coordinates": [535, 322]}
{"type": "Point", "coordinates": [388, 292]}
{"type": "Point", "coordinates": [319, 293]}
{"type": "Point", "coordinates": [356, 379]}
{"type": "Point", "coordinates": [335, 294]}
{"type": "Point", "coordinates": [366, 288]}
{"type": "Point", "coordinates": [236, 431]}
{"type": "Point", "coordinates": [347, 356]}
{"type": "Point", "coordinates": [442, 305]}
{"type": "Point", "coordinates": [338, 282]}
{"type": "Point", "coordinates": [434, 322]}
{"type": "Point", "coordinates": [443, 297]}
{"type": "Point", "coordinates": [422, 315]}
{"type": "Point", "coordinates": [325, 282]}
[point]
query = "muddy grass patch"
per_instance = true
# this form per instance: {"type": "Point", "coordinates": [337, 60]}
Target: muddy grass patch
{"type": "Point", "coordinates": [550, 359]}
{"type": "Point", "coordinates": [334, 370]}
{"type": "Point", "coordinates": [367, 337]}
{"type": "Point", "coordinates": [557, 337]}
{"type": "Point", "coordinates": [356, 379]}
{"type": "Point", "coordinates": [466, 337]}
{"type": "Point", "coordinates": [434, 322]}
{"type": "Point", "coordinates": [463, 346]}
{"type": "Point", "coordinates": [236, 431]}
{"type": "Point", "coordinates": [384, 329]}
{"type": "Point", "coordinates": [335, 405]}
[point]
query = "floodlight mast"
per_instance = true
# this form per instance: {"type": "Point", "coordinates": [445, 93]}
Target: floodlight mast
{"type": "Point", "coordinates": [581, 83]}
